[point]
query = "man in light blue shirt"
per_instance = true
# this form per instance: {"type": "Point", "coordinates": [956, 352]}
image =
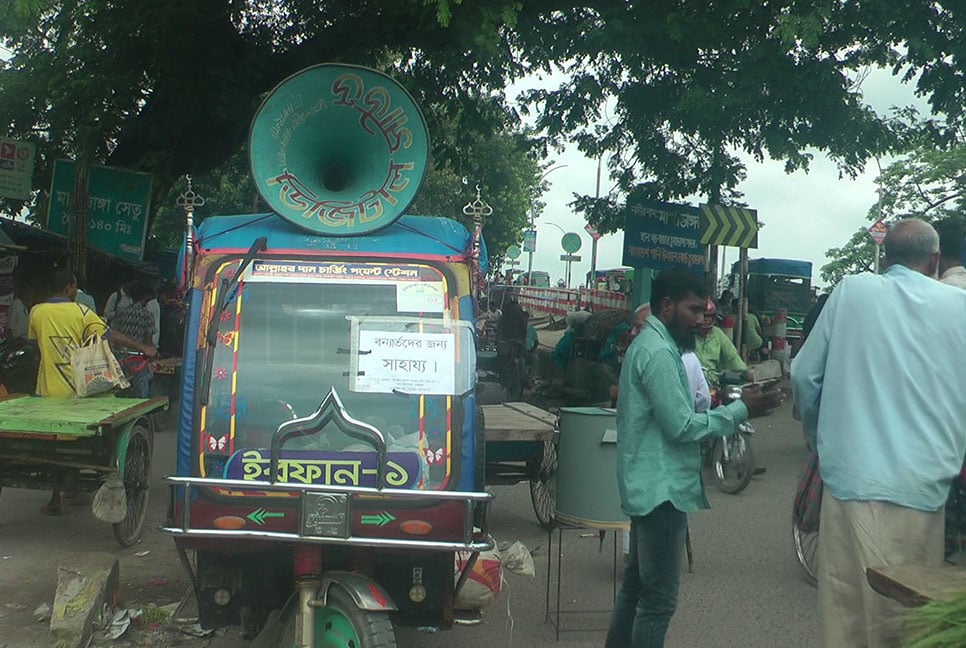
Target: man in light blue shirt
{"type": "Point", "coordinates": [659, 456]}
{"type": "Point", "coordinates": [882, 395]}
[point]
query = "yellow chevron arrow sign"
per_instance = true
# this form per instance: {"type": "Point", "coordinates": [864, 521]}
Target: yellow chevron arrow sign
{"type": "Point", "coordinates": [734, 226]}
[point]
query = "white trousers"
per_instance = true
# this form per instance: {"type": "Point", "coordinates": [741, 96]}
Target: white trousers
{"type": "Point", "coordinates": [855, 535]}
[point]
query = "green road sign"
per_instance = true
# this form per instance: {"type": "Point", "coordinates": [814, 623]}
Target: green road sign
{"type": "Point", "coordinates": [570, 242]}
{"type": "Point", "coordinates": [513, 252]}
{"type": "Point", "coordinates": [117, 213]}
{"type": "Point", "coordinates": [530, 240]}
{"type": "Point", "coordinates": [379, 519]}
{"type": "Point", "coordinates": [258, 516]}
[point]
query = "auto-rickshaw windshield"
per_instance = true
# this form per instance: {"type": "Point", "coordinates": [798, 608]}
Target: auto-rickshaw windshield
{"type": "Point", "coordinates": [285, 343]}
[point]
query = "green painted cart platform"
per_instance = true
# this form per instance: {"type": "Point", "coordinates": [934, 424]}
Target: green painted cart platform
{"type": "Point", "coordinates": [83, 445]}
{"type": "Point", "coordinates": [72, 417]}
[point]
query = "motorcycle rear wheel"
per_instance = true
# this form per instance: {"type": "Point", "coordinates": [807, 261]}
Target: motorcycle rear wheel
{"type": "Point", "coordinates": [734, 474]}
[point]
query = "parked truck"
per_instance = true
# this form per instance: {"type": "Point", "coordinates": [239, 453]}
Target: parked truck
{"type": "Point", "coordinates": [774, 284]}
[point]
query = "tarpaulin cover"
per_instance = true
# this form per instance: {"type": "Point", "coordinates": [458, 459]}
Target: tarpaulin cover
{"type": "Point", "coordinates": [787, 267]}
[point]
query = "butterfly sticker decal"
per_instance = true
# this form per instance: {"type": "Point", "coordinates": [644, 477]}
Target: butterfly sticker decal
{"type": "Point", "coordinates": [218, 444]}
{"type": "Point", "coordinates": [226, 338]}
{"type": "Point", "coordinates": [434, 457]}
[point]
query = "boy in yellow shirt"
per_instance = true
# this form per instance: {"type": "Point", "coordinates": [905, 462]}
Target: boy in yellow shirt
{"type": "Point", "coordinates": [59, 324]}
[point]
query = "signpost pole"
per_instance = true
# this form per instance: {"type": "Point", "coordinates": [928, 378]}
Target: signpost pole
{"type": "Point", "coordinates": [570, 243]}
{"type": "Point", "coordinates": [593, 263]}
{"type": "Point", "coordinates": [569, 259]}
{"type": "Point", "coordinates": [594, 235]}
{"type": "Point", "coordinates": [742, 303]}
{"type": "Point", "coordinates": [530, 251]}
{"type": "Point", "coordinates": [877, 232]}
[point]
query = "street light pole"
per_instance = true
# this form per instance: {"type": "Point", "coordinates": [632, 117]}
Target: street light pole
{"type": "Point", "coordinates": [533, 217]}
{"type": "Point", "coordinates": [593, 242]}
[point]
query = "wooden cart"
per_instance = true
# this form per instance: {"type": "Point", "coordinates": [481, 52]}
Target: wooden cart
{"type": "Point", "coordinates": [521, 445]}
{"type": "Point", "coordinates": [81, 445]}
{"type": "Point", "coordinates": [914, 585]}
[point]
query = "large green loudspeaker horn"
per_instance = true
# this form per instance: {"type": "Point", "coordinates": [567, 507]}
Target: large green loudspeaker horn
{"type": "Point", "coordinates": [339, 150]}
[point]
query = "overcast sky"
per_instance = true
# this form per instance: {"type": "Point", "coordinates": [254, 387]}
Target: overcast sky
{"type": "Point", "coordinates": [805, 214]}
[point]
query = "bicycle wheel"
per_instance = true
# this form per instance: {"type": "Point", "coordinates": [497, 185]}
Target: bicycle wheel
{"type": "Point", "coordinates": [806, 550]}
{"type": "Point", "coordinates": [543, 487]}
{"type": "Point", "coordinates": [137, 483]}
{"type": "Point", "coordinates": [734, 474]}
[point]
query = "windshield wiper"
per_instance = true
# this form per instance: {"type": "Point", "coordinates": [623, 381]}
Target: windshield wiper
{"type": "Point", "coordinates": [260, 244]}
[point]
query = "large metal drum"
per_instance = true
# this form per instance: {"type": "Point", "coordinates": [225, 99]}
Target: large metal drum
{"type": "Point", "coordinates": [587, 469]}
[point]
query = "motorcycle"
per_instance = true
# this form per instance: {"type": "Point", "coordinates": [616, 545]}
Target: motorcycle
{"type": "Point", "coordinates": [732, 458]}
{"type": "Point", "coordinates": [19, 363]}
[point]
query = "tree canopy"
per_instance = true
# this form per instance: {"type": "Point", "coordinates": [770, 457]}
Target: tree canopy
{"type": "Point", "coordinates": [928, 183]}
{"type": "Point", "coordinates": [676, 90]}
{"type": "Point", "coordinates": [672, 90]}
{"type": "Point", "coordinates": [170, 88]}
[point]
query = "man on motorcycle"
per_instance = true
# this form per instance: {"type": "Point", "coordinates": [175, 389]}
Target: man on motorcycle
{"type": "Point", "coordinates": [715, 351]}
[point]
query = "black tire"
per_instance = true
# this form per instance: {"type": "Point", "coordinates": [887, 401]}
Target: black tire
{"type": "Point", "coordinates": [806, 550]}
{"type": "Point", "coordinates": [543, 486]}
{"type": "Point", "coordinates": [137, 485]}
{"type": "Point", "coordinates": [733, 475]}
{"type": "Point", "coordinates": [371, 629]}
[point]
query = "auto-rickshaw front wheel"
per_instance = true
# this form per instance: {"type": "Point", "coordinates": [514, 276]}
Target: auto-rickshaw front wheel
{"type": "Point", "coordinates": [341, 624]}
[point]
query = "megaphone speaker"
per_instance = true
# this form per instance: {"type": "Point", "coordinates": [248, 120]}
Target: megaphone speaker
{"type": "Point", "coordinates": [339, 150]}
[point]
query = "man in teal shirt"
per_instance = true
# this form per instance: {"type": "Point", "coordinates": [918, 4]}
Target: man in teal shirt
{"type": "Point", "coordinates": [659, 457]}
{"type": "Point", "coordinates": [714, 348]}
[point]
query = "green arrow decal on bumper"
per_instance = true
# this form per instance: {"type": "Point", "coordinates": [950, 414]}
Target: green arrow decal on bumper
{"type": "Point", "coordinates": [379, 519]}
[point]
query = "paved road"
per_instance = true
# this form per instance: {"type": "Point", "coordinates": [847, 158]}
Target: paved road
{"type": "Point", "coordinates": [745, 591]}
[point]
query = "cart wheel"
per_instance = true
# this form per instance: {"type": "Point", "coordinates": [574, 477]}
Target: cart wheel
{"type": "Point", "coordinates": [543, 487]}
{"type": "Point", "coordinates": [137, 481]}
{"type": "Point", "coordinates": [340, 624]}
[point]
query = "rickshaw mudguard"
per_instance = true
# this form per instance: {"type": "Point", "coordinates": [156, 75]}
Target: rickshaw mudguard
{"type": "Point", "coordinates": [366, 593]}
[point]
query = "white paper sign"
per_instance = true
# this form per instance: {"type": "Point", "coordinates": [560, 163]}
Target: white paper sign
{"type": "Point", "coordinates": [413, 363]}
{"type": "Point", "coordinates": [420, 297]}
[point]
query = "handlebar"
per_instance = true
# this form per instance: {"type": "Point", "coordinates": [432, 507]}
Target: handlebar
{"type": "Point", "coordinates": [728, 377]}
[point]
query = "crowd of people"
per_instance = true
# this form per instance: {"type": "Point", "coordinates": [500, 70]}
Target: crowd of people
{"type": "Point", "coordinates": [58, 315]}
{"type": "Point", "coordinates": [881, 393]}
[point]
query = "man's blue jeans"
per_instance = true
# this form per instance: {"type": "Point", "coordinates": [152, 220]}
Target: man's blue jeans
{"type": "Point", "coordinates": [649, 595]}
